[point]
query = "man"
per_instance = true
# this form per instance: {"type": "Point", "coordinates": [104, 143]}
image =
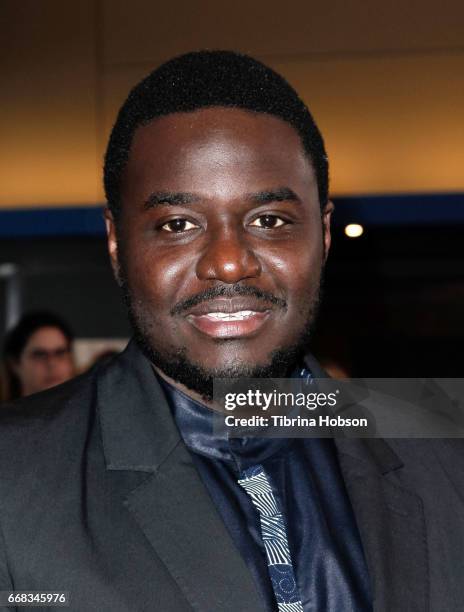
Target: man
{"type": "Point", "coordinates": [122, 495]}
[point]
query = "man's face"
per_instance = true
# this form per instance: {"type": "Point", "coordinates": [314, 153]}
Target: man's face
{"type": "Point", "coordinates": [220, 243]}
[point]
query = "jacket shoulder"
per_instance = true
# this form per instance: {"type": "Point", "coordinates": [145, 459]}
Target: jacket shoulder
{"type": "Point", "coordinates": [36, 430]}
{"type": "Point", "coordinates": [41, 405]}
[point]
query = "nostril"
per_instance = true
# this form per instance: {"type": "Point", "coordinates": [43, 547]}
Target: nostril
{"type": "Point", "coordinates": [229, 261]}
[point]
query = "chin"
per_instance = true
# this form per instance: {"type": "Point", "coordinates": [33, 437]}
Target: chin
{"type": "Point", "coordinates": [233, 361]}
{"type": "Point", "coordinates": [198, 376]}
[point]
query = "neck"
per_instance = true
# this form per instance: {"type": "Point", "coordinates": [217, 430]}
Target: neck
{"type": "Point", "coordinates": [186, 391]}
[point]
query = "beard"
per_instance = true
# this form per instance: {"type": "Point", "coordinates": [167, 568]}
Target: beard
{"type": "Point", "coordinates": [175, 363]}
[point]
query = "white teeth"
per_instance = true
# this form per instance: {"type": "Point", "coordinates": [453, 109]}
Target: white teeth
{"type": "Point", "coordinates": [231, 316]}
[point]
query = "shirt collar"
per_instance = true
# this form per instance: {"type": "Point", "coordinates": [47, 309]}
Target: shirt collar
{"type": "Point", "coordinates": [195, 423]}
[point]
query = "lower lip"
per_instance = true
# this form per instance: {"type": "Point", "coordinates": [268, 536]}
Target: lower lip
{"type": "Point", "coordinates": [229, 329]}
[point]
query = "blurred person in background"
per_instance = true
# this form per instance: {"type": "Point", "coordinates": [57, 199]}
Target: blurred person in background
{"type": "Point", "coordinates": [37, 354]}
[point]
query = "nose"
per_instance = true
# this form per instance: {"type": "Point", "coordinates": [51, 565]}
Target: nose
{"type": "Point", "coordinates": [228, 258]}
{"type": "Point", "coordinates": [52, 362]}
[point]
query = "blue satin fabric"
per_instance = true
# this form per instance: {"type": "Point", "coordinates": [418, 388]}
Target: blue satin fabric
{"type": "Point", "coordinates": [324, 541]}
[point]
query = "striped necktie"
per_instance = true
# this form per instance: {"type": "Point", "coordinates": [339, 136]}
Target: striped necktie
{"type": "Point", "coordinates": [274, 535]}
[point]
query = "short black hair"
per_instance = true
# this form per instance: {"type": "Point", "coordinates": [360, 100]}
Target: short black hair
{"type": "Point", "coordinates": [203, 79]}
{"type": "Point", "coordinates": [17, 338]}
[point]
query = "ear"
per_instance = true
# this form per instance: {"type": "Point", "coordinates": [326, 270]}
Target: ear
{"type": "Point", "coordinates": [326, 231]}
{"type": "Point", "coordinates": [112, 242]}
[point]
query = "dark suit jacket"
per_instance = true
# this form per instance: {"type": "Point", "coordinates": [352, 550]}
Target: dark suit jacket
{"type": "Point", "coordinates": [99, 497]}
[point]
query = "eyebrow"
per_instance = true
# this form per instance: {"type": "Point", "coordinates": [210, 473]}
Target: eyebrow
{"type": "Point", "coordinates": [281, 194]}
{"type": "Point", "coordinates": [171, 198]}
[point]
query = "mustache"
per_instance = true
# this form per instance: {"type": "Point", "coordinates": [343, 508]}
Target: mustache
{"type": "Point", "coordinates": [227, 291]}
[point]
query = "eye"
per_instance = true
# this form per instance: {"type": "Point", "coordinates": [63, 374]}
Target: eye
{"type": "Point", "coordinates": [268, 222]}
{"type": "Point", "coordinates": [178, 226]}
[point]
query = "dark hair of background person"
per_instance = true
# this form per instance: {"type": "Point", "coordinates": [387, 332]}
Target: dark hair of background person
{"type": "Point", "coordinates": [16, 340]}
{"type": "Point", "coordinates": [203, 79]}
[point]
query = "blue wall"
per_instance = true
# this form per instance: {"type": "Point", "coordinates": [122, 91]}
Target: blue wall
{"type": "Point", "coordinates": [370, 211]}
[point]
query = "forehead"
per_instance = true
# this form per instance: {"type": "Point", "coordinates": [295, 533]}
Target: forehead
{"type": "Point", "coordinates": [201, 145]}
{"type": "Point", "coordinates": [47, 337]}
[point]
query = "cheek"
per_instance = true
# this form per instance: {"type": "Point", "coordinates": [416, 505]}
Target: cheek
{"type": "Point", "coordinates": [175, 273]}
{"type": "Point", "coordinates": [297, 269]}
{"type": "Point", "coordinates": [156, 276]}
{"type": "Point", "coordinates": [66, 367]}
{"type": "Point", "coordinates": [143, 270]}
{"type": "Point", "coordinates": [30, 371]}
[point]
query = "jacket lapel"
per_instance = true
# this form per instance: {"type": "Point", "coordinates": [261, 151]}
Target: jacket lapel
{"type": "Point", "coordinates": [177, 516]}
{"type": "Point", "coordinates": [172, 506]}
{"type": "Point", "coordinates": [391, 524]}
{"type": "Point", "coordinates": [390, 520]}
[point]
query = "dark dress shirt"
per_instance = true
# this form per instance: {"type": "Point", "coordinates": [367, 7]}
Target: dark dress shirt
{"type": "Point", "coordinates": [324, 542]}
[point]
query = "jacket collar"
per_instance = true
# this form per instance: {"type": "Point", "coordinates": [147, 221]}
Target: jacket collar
{"type": "Point", "coordinates": [131, 400]}
{"type": "Point", "coordinates": [133, 414]}
{"type": "Point", "coordinates": [374, 454]}
{"type": "Point", "coordinates": [390, 519]}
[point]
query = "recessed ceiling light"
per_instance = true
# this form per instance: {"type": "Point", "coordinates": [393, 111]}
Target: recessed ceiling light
{"type": "Point", "coordinates": [354, 230]}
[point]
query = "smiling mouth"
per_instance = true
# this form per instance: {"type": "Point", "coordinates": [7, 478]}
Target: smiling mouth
{"type": "Point", "coordinates": [229, 324]}
{"type": "Point", "coordinates": [236, 317]}
{"type": "Point", "coordinates": [241, 315]}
